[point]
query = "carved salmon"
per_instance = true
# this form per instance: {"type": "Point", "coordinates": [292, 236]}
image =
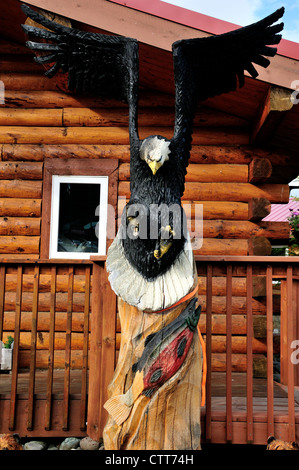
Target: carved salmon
{"type": "Point", "coordinates": [164, 353]}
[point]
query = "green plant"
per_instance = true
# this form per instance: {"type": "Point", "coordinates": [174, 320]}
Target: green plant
{"type": "Point", "coordinates": [294, 223]}
{"type": "Point", "coordinates": [8, 342]}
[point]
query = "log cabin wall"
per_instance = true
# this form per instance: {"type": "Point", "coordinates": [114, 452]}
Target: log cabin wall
{"type": "Point", "coordinates": [231, 180]}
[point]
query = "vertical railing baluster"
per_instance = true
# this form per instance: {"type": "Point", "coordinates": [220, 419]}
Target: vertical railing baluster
{"type": "Point", "coordinates": [229, 431]}
{"type": "Point", "coordinates": [249, 372]}
{"type": "Point", "coordinates": [68, 350]}
{"type": "Point", "coordinates": [32, 366]}
{"type": "Point", "coordinates": [209, 353]}
{"type": "Point", "coordinates": [85, 350]}
{"type": "Point", "coordinates": [15, 367]}
{"type": "Point", "coordinates": [290, 365]}
{"type": "Point", "coordinates": [51, 350]}
{"type": "Point", "coordinates": [270, 383]}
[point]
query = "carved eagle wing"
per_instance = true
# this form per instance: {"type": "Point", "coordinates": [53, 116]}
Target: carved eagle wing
{"type": "Point", "coordinates": [206, 67]}
{"type": "Point", "coordinates": [97, 64]}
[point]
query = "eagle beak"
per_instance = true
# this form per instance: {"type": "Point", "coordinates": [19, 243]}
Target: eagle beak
{"type": "Point", "coordinates": [154, 166]}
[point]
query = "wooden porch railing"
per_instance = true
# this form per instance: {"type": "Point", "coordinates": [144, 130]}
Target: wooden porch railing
{"type": "Point", "coordinates": [252, 418]}
{"type": "Point", "coordinates": [45, 305]}
{"type": "Point", "coordinates": [66, 343]}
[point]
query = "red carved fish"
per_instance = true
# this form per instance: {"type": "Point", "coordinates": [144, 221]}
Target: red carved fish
{"type": "Point", "coordinates": [163, 355]}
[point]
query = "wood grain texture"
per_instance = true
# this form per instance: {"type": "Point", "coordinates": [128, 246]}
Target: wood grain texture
{"type": "Point", "coordinates": [174, 427]}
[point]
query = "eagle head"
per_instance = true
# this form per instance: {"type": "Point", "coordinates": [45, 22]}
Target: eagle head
{"type": "Point", "coordinates": [154, 150]}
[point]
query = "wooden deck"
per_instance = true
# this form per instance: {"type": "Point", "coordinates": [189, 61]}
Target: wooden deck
{"type": "Point", "coordinates": [218, 409]}
{"type": "Point", "coordinates": [240, 408]}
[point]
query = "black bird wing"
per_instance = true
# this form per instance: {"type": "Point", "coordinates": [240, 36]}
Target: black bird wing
{"type": "Point", "coordinates": [98, 64]}
{"type": "Point", "coordinates": [206, 67]}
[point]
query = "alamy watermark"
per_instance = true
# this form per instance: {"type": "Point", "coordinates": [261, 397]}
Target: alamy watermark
{"type": "Point", "coordinates": [157, 221]}
{"type": "Point", "coordinates": [295, 354]}
{"type": "Point", "coordinates": [2, 92]}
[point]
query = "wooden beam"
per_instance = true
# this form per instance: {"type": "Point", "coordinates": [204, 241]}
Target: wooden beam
{"type": "Point", "coordinates": [276, 105]}
{"type": "Point", "coordinates": [260, 169]}
{"type": "Point", "coordinates": [258, 208]}
{"type": "Point", "coordinates": [206, 173]}
{"type": "Point", "coordinates": [259, 246]}
{"type": "Point", "coordinates": [18, 207]}
{"type": "Point", "coordinates": [241, 192]}
{"type": "Point", "coordinates": [21, 170]}
{"type": "Point", "coordinates": [112, 135]}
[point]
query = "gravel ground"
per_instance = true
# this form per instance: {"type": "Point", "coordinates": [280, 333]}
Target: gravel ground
{"type": "Point", "coordinates": [70, 443]}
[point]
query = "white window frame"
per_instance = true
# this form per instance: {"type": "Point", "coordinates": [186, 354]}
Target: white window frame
{"type": "Point", "coordinates": [102, 213]}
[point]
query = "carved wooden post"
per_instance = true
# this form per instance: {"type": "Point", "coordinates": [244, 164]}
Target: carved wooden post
{"type": "Point", "coordinates": [154, 396]}
{"type": "Point", "coordinates": [102, 347]}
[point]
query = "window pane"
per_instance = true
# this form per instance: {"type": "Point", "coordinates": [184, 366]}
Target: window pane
{"type": "Point", "coordinates": [77, 219]}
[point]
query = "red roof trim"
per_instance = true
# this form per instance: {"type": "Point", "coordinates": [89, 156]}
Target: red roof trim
{"type": "Point", "coordinates": [198, 21]}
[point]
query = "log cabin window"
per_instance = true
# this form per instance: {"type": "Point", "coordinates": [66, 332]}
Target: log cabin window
{"type": "Point", "coordinates": [78, 216]}
{"type": "Point", "coordinates": [79, 205]}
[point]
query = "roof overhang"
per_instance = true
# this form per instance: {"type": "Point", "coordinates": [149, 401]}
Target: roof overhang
{"type": "Point", "coordinates": [198, 21]}
{"type": "Point", "coordinates": [153, 30]}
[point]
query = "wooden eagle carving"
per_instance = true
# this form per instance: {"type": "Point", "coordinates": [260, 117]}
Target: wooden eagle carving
{"type": "Point", "coordinates": [108, 66]}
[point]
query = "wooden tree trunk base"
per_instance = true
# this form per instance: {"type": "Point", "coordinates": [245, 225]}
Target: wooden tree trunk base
{"type": "Point", "coordinates": [170, 419]}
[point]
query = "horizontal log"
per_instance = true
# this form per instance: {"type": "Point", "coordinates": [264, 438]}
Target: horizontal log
{"type": "Point", "coordinates": [12, 207]}
{"type": "Point", "coordinates": [21, 170]}
{"type": "Point", "coordinates": [19, 226]}
{"type": "Point", "coordinates": [9, 47]}
{"type": "Point", "coordinates": [238, 343]}
{"type": "Point", "coordinates": [205, 173]}
{"type": "Point", "coordinates": [42, 359]}
{"type": "Point", "coordinates": [239, 305]}
{"type": "Point", "coordinates": [239, 363]}
{"type": "Point", "coordinates": [239, 325]}
{"type": "Point", "coordinates": [209, 209]}
{"type": "Point", "coordinates": [45, 283]}
{"type": "Point", "coordinates": [30, 117]}
{"type": "Point", "coordinates": [203, 154]}
{"type": "Point", "coordinates": [43, 321]}
{"type": "Point", "coordinates": [199, 153]}
{"type": "Point", "coordinates": [44, 302]}
{"type": "Point", "coordinates": [277, 157]}
{"type": "Point", "coordinates": [20, 189]}
{"type": "Point", "coordinates": [260, 169]}
{"type": "Point", "coordinates": [258, 208]}
{"type": "Point", "coordinates": [108, 135]}
{"type": "Point", "coordinates": [244, 192]}
{"type": "Point", "coordinates": [239, 286]}
{"type": "Point", "coordinates": [218, 324]}
{"type": "Point", "coordinates": [35, 98]}
{"type": "Point", "coordinates": [163, 117]}
{"type": "Point", "coordinates": [20, 81]}
{"type": "Point", "coordinates": [18, 63]}
{"type": "Point", "coordinates": [42, 340]}
{"type": "Point", "coordinates": [245, 229]}
{"type": "Point", "coordinates": [15, 152]}
{"type": "Point", "coordinates": [221, 154]}
{"type": "Point", "coordinates": [212, 246]}
{"type": "Point", "coordinates": [257, 246]}
{"type": "Point", "coordinates": [19, 244]}
{"type": "Point", "coordinates": [241, 192]}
